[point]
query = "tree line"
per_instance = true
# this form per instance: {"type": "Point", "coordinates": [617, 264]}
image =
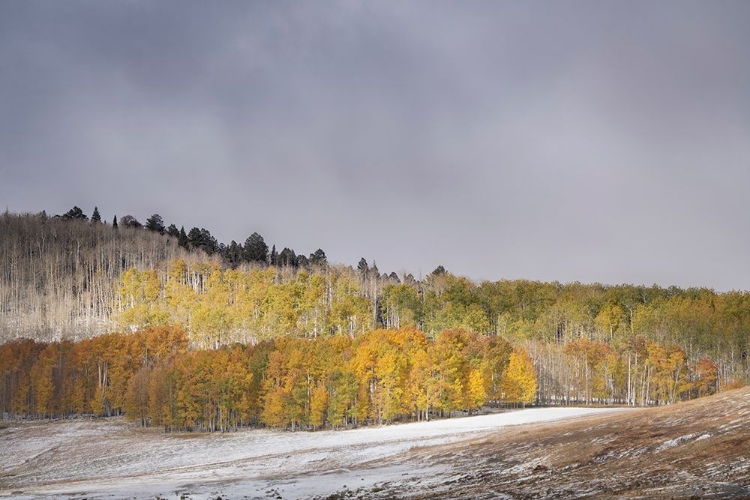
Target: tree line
{"type": "Point", "coordinates": [254, 249]}
{"type": "Point", "coordinates": [154, 378]}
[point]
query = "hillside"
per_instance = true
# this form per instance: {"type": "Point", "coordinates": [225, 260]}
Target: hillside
{"type": "Point", "coordinates": [60, 278]}
{"type": "Point", "coordinates": [694, 449]}
{"type": "Point", "coordinates": [71, 281]}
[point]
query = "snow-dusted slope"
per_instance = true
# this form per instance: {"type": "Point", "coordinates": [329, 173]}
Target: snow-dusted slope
{"type": "Point", "coordinates": [111, 459]}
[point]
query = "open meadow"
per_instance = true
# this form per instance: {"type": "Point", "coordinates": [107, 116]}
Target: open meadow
{"type": "Point", "coordinates": [692, 449]}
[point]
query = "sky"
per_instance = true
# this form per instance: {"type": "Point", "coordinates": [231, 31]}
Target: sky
{"type": "Point", "coordinates": [592, 141]}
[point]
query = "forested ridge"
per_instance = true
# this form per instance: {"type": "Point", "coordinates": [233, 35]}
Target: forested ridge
{"type": "Point", "coordinates": [218, 336]}
{"type": "Point", "coordinates": [60, 275]}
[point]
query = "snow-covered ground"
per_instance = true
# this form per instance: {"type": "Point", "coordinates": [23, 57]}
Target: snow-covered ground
{"type": "Point", "coordinates": [111, 459]}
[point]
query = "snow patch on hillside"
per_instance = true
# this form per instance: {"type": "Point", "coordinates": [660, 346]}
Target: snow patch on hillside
{"type": "Point", "coordinates": [109, 458]}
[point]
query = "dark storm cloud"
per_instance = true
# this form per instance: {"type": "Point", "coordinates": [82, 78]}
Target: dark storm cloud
{"type": "Point", "coordinates": [585, 141]}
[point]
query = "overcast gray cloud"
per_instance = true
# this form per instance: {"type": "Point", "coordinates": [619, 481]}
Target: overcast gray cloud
{"type": "Point", "coordinates": [589, 141]}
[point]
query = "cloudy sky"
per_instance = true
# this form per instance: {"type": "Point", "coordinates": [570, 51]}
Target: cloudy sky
{"type": "Point", "coordinates": [572, 141]}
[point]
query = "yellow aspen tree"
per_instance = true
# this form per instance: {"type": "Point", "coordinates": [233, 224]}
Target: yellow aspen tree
{"type": "Point", "coordinates": [273, 413]}
{"type": "Point", "coordinates": [477, 394]}
{"type": "Point", "coordinates": [519, 381]}
{"type": "Point", "coordinates": [318, 405]}
{"type": "Point", "coordinates": [420, 382]}
{"type": "Point", "coordinates": [450, 352]}
{"type": "Point", "coordinates": [179, 295]}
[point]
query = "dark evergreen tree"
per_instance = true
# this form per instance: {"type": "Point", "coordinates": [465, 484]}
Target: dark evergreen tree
{"type": "Point", "coordinates": [394, 277]}
{"type": "Point", "coordinates": [439, 270]}
{"type": "Point", "coordinates": [173, 231]}
{"type": "Point", "coordinates": [114, 222]}
{"type": "Point", "coordinates": [209, 243]}
{"type": "Point", "coordinates": [318, 258]}
{"type": "Point", "coordinates": [233, 254]}
{"type": "Point", "coordinates": [202, 239]}
{"type": "Point", "coordinates": [155, 223]}
{"type": "Point", "coordinates": [96, 217]}
{"type": "Point", "coordinates": [362, 267]}
{"type": "Point", "coordinates": [274, 256]}
{"type": "Point", "coordinates": [182, 239]}
{"type": "Point", "coordinates": [195, 238]}
{"type": "Point", "coordinates": [302, 261]}
{"type": "Point", "coordinates": [287, 258]}
{"type": "Point", "coordinates": [256, 249]}
{"type": "Point", "coordinates": [75, 213]}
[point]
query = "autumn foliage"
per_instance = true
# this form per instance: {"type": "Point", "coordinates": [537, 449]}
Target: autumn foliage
{"type": "Point", "coordinates": [153, 378]}
{"type": "Point", "coordinates": [382, 376]}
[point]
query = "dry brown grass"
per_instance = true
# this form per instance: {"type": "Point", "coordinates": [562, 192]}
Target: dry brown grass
{"type": "Point", "coordinates": [696, 449]}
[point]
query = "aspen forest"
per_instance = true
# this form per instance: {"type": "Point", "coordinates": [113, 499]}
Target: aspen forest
{"type": "Point", "coordinates": [175, 330]}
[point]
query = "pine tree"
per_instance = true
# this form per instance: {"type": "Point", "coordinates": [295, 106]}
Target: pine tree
{"type": "Point", "coordinates": [114, 222]}
{"type": "Point", "coordinates": [362, 267]}
{"type": "Point", "coordinates": [182, 238]}
{"type": "Point", "coordinates": [195, 238]}
{"type": "Point", "coordinates": [208, 242]}
{"type": "Point", "coordinates": [155, 223]}
{"type": "Point", "coordinates": [96, 217]}
{"type": "Point", "coordinates": [287, 258]}
{"type": "Point", "coordinates": [256, 249]}
{"type": "Point", "coordinates": [233, 254]}
{"type": "Point", "coordinates": [75, 213]}
{"type": "Point", "coordinates": [318, 258]}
